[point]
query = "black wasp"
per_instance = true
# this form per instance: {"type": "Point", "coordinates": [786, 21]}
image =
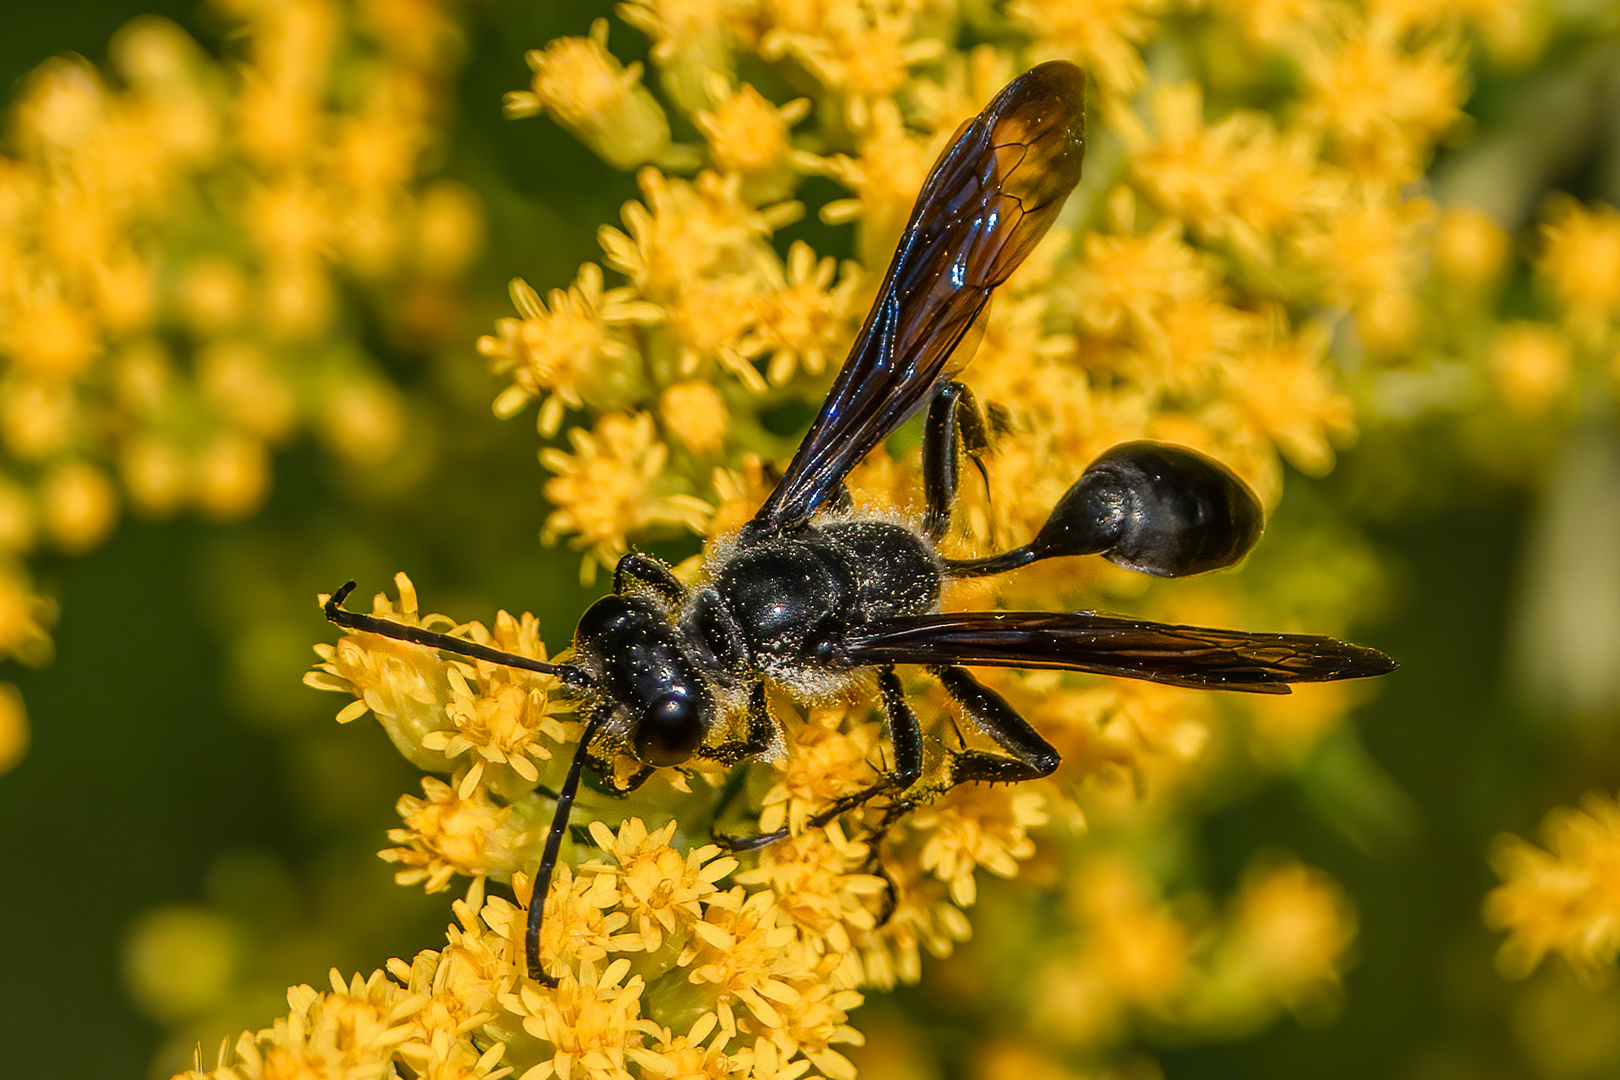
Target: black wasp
{"type": "Point", "coordinates": [809, 594]}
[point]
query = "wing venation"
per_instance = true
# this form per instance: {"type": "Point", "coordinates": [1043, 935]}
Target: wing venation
{"type": "Point", "coordinates": [1195, 656]}
{"type": "Point", "coordinates": [991, 196]}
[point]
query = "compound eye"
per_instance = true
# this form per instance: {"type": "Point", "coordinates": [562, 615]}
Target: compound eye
{"type": "Point", "coordinates": [670, 730]}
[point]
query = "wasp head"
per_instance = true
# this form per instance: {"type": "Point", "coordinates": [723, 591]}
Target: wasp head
{"type": "Point", "coordinates": [641, 668]}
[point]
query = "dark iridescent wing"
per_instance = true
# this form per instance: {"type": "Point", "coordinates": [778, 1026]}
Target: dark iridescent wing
{"type": "Point", "coordinates": [1195, 656]}
{"type": "Point", "coordinates": [990, 198]}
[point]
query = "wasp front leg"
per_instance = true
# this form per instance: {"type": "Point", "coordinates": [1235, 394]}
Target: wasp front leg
{"type": "Point", "coordinates": [620, 789]}
{"type": "Point", "coordinates": [760, 737]}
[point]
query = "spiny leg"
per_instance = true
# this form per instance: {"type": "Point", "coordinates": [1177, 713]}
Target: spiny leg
{"type": "Point", "coordinates": [761, 734]}
{"type": "Point", "coordinates": [548, 859]}
{"type": "Point", "coordinates": [955, 425]}
{"type": "Point", "coordinates": [1031, 756]}
{"type": "Point", "coordinates": [905, 735]}
{"type": "Point", "coordinates": [415, 635]}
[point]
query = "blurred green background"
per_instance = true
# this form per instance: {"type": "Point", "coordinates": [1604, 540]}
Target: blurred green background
{"type": "Point", "coordinates": [162, 771]}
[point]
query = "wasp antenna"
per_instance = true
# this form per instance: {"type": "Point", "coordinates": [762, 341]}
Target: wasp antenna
{"type": "Point", "coordinates": [335, 601]}
{"type": "Point", "coordinates": [415, 635]}
{"type": "Point", "coordinates": [548, 860]}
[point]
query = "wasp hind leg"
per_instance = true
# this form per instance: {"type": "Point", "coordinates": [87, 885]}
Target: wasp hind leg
{"type": "Point", "coordinates": [1027, 757]}
{"type": "Point", "coordinates": [955, 426]}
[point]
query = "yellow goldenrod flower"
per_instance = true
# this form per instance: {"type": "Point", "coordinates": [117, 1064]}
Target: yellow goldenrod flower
{"type": "Point", "coordinates": [362, 418]}
{"type": "Point", "coordinates": [1370, 258]}
{"type": "Point", "coordinates": [503, 717]}
{"type": "Point", "coordinates": [243, 381]}
{"type": "Point", "coordinates": [1531, 365]}
{"type": "Point", "coordinates": [1470, 247]}
{"type": "Point", "coordinates": [39, 419]}
{"type": "Point", "coordinates": [883, 179]}
{"type": "Point", "coordinates": [77, 506]}
{"type": "Point", "coordinates": [1132, 954]}
{"type": "Point", "coordinates": [684, 232]}
{"type": "Point", "coordinates": [608, 488]}
{"type": "Point", "coordinates": [1384, 104]}
{"type": "Point", "coordinates": [52, 338]}
{"type": "Point", "coordinates": [570, 351]}
{"type": "Point", "coordinates": [690, 45]}
{"type": "Point", "coordinates": [974, 827]}
{"type": "Point", "coordinates": [213, 295]}
{"type": "Point", "coordinates": [804, 319]}
{"type": "Point", "coordinates": [179, 961]}
{"type": "Point", "coordinates": [14, 731]}
{"type": "Point", "coordinates": [861, 54]}
{"type": "Point", "coordinates": [406, 688]}
{"type": "Point", "coordinates": [24, 618]}
{"type": "Point", "coordinates": [1277, 25]}
{"type": "Point", "coordinates": [1293, 928]}
{"type": "Point", "coordinates": [590, 1022]}
{"type": "Point", "coordinates": [1580, 264]}
{"type": "Point", "coordinates": [232, 476]}
{"type": "Point", "coordinates": [825, 763]}
{"type": "Point", "coordinates": [598, 101]}
{"type": "Point", "coordinates": [707, 323]}
{"type": "Point", "coordinates": [819, 882]}
{"type": "Point", "coordinates": [156, 474]}
{"type": "Point", "coordinates": [454, 830]}
{"type": "Point", "coordinates": [1240, 180]}
{"type": "Point", "coordinates": [1127, 283]}
{"type": "Point", "coordinates": [658, 885]}
{"type": "Point", "coordinates": [1102, 36]}
{"type": "Point", "coordinates": [581, 925]}
{"type": "Point", "coordinates": [1562, 899]}
{"type": "Point", "coordinates": [1286, 388]}
{"type": "Point", "coordinates": [749, 135]}
{"type": "Point", "coordinates": [450, 229]}
{"type": "Point", "coordinates": [701, 1054]}
{"type": "Point", "coordinates": [743, 950]}
{"type": "Point", "coordinates": [696, 416]}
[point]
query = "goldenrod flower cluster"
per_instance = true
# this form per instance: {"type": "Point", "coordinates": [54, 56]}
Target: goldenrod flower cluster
{"type": "Point", "coordinates": [175, 234]}
{"type": "Point", "coordinates": [1250, 267]}
{"type": "Point", "coordinates": [1190, 297]}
